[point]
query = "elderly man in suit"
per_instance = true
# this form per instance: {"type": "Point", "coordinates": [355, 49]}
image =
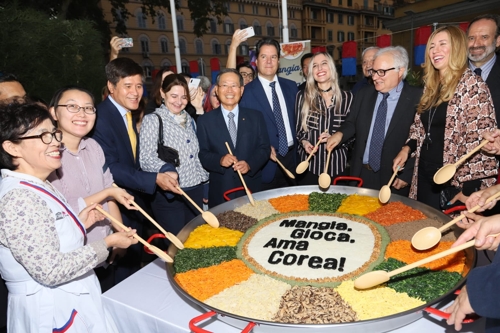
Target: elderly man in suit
{"type": "Point", "coordinates": [245, 132]}
{"type": "Point", "coordinates": [115, 130]}
{"type": "Point", "coordinates": [483, 35]}
{"type": "Point", "coordinates": [380, 120]}
{"type": "Point", "coordinates": [274, 97]}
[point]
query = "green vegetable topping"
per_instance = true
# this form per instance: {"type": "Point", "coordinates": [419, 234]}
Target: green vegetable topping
{"type": "Point", "coordinates": [419, 282]}
{"type": "Point", "coordinates": [325, 202]}
{"type": "Point", "coordinates": [188, 259]}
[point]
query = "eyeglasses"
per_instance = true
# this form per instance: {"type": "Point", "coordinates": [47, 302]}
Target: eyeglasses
{"type": "Point", "coordinates": [46, 137]}
{"type": "Point", "coordinates": [226, 86]}
{"type": "Point", "coordinates": [73, 108]}
{"type": "Point", "coordinates": [380, 72]}
{"type": "Point", "coordinates": [246, 75]}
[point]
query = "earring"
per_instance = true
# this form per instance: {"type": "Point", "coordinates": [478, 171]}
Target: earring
{"type": "Point", "coordinates": [163, 101]}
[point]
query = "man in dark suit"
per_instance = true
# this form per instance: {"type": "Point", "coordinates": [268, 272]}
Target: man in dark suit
{"type": "Point", "coordinates": [115, 131]}
{"type": "Point", "coordinates": [245, 132]}
{"type": "Point", "coordinates": [483, 35]}
{"type": "Point", "coordinates": [380, 120]}
{"type": "Point", "coordinates": [274, 97]}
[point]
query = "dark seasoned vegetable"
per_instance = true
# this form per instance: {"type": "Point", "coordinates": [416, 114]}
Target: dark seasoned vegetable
{"type": "Point", "coordinates": [188, 259]}
{"type": "Point", "coordinates": [325, 202]}
{"type": "Point", "coordinates": [420, 282]}
{"type": "Point", "coordinates": [236, 221]}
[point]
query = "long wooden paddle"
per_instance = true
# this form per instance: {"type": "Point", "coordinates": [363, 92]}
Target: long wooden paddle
{"type": "Point", "coordinates": [249, 194]}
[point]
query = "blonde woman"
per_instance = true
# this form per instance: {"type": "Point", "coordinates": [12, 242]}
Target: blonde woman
{"type": "Point", "coordinates": [321, 108]}
{"type": "Point", "coordinates": [454, 111]}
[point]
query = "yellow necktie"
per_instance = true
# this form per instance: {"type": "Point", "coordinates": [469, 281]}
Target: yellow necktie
{"type": "Point", "coordinates": [131, 133]}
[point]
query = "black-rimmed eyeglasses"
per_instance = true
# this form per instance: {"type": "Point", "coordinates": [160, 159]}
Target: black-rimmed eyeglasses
{"type": "Point", "coordinates": [380, 72]}
{"type": "Point", "coordinates": [46, 137]}
{"type": "Point", "coordinates": [73, 108]}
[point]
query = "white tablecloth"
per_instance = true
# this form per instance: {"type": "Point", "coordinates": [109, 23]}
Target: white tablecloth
{"type": "Point", "coordinates": [147, 302]}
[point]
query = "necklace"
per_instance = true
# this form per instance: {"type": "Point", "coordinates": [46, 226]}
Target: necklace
{"type": "Point", "coordinates": [427, 139]}
{"type": "Point", "coordinates": [327, 90]}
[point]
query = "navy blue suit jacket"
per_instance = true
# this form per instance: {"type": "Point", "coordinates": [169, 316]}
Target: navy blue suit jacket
{"type": "Point", "coordinates": [252, 146]}
{"type": "Point", "coordinates": [111, 133]}
{"type": "Point", "coordinates": [254, 97]}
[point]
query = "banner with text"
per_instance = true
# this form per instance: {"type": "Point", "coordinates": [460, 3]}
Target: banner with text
{"type": "Point", "coordinates": [290, 60]}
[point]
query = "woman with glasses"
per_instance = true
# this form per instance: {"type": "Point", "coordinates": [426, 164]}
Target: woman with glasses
{"type": "Point", "coordinates": [47, 268]}
{"type": "Point", "coordinates": [321, 108]}
{"type": "Point", "coordinates": [83, 177]}
{"type": "Point", "coordinates": [454, 111]}
{"type": "Point", "coordinates": [179, 133]}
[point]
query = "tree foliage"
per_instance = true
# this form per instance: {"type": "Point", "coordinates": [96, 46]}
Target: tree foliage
{"type": "Point", "coordinates": [49, 53]}
{"type": "Point", "coordinates": [202, 11]}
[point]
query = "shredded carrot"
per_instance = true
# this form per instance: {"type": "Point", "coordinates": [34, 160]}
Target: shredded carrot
{"type": "Point", "coordinates": [290, 203]}
{"type": "Point", "coordinates": [403, 251]}
{"type": "Point", "coordinates": [204, 283]}
{"type": "Point", "coordinates": [206, 236]}
{"type": "Point", "coordinates": [359, 205]}
{"type": "Point", "coordinates": [395, 212]}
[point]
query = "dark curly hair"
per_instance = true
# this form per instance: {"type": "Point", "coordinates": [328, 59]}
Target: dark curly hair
{"type": "Point", "coordinates": [17, 119]}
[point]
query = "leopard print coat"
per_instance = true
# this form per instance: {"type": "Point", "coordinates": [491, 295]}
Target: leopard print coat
{"type": "Point", "coordinates": [470, 112]}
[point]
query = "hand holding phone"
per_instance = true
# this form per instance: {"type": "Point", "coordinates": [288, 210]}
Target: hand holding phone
{"type": "Point", "coordinates": [193, 83]}
{"type": "Point", "coordinates": [250, 32]}
{"type": "Point", "coordinates": [127, 42]}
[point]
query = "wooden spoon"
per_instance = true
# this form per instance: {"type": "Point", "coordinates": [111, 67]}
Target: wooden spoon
{"type": "Point", "coordinates": [324, 179]}
{"type": "Point", "coordinates": [375, 278]}
{"type": "Point", "coordinates": [162, 255]}
{"type": "Point", "coordinates": [170, 236]}
{"type": "Point", "coordinates": [428, 237]}
{"type": "Point", "coordinates": [249, 194]}
{"type": "Point", "coordinates": [305, 164]}
{"type": "Point", "coordinates": [209, 217]}
{"type": "Point", "coordinates": [447, 171]}
{"type": "Point", "coordinates": [288, 173]}
{"type": "Point", "coordinates": [385, 192]}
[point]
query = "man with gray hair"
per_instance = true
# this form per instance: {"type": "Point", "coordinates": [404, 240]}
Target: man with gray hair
{"type": "Point", "coordinates": [380, 120]}
{"type": "Point", "coordinates": [367, 63]}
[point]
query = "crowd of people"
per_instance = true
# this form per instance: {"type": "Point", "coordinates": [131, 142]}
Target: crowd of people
{"type": "Point", "coordinates": [61, 160]}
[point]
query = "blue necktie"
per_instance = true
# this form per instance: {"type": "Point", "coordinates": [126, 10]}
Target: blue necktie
{"type": "Point", "coordinates": [478, 71]}
{"type": "Point", "coordinates": [232, 128]}
{"type": "Point", "coordinates": [378, 135]}
{"type": "Point", "coordinates": [280, 124]}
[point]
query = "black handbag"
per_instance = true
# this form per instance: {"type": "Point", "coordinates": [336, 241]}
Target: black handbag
{"type": "Point", "coordinates": [166, 154]}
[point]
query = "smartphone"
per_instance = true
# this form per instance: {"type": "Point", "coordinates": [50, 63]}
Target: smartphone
{"type": "Point", "coordinates": [127, 42]}
{"type": "Point", "coordinates": [250, 32]}
{"type": "Point", "coordinates": [194, 83]}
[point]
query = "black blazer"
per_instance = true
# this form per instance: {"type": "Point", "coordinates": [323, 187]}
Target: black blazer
{"type": "Point", "coordinates": [254, 97]}
{"type": "Point", "coordinates": [493, 82]}
{"type": "Point", "coordinates": [111, 133]}
{"type": "Point", "coordinates": [252, 146]}
{"type": "Point", "coordinates": [358, 124]}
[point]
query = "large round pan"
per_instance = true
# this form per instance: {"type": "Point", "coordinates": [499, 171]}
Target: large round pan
{"type": "Point", "coordinates": [382, 324]}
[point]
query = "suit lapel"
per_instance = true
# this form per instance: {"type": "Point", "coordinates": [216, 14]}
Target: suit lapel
{"type": "Point", "coordinates": [121, 129]}
{"type": "Point", "coordinates": [401, 108]}
{"type": "Point", "coordinates": [261, 98]}
{"type": "Point", "coordinates": [367, 112]}
{"type": "Point", "coordinates": [224, 131]}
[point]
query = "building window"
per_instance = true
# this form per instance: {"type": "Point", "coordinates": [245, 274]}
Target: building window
{"type": "Point", "coordinates": [340, 36]}
{"type": "Point", "coordinates": [147, 70]}
{"type": "Point", "coordinates": [350, 36]}
{"type": "Point", "coordinates": [349, 3]}
{"type": "Point", "coordinates": [144, 45]}
{"type": "Point", "coordinates": [340, 2]}
{"type": "Point", "coordinates": [268, 11]}
{"type": "Point", "coordinates": [241, 8]}
{"type": "Point", "coordinates": [257, 29]}
{"type": "Point", "coordinates": [216, 48]}
{"type": "Point", "coordinates": [350, 20]}
{"type": "Point", "coordinates": [329, 17]}
{"type": "Point", "coordinates": [341, 19]}
{"type": "Point", "coordinates": [141, 20]}
{"type": "Point", "coordinates": [201, 66]}
{"type": "Point", "coordinates": [388, 10]}
{"type": "Point", "coordinates": [330, 35]}
{"type": "Point", "coordinates": [182, 46]}
{"type": "Point", "coordinates": [162, 24]}
{"type": "Point", "coordinates": [291, 14]}
{"type": "Point", "coordinates": [255, 10]}
{"type": "Point", "coordinates": [226, 46]}
{"type": "Point", "coordinates": [185, 67]}
{"type": "Point", "coordinates": [180, 23]}
{"type": "Point", "coordinates": [213, 26]}
{"type": "Point", "coordinates": [228, 27]}
{"type": "Point", "coordinates": [199, 46]}
{"type": "Point", "coordinates": [293, 32]}
{"type": "Point", "coordinates": [164, 45]}
{"type": "Point", "coordinates": [227, 6]}
{"type": "Point", "coordinates": [243, 24]}
{"type": "Point", "coordinates": [243, 49]}
{"type": "Point", "coordinates": [270, 30]}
